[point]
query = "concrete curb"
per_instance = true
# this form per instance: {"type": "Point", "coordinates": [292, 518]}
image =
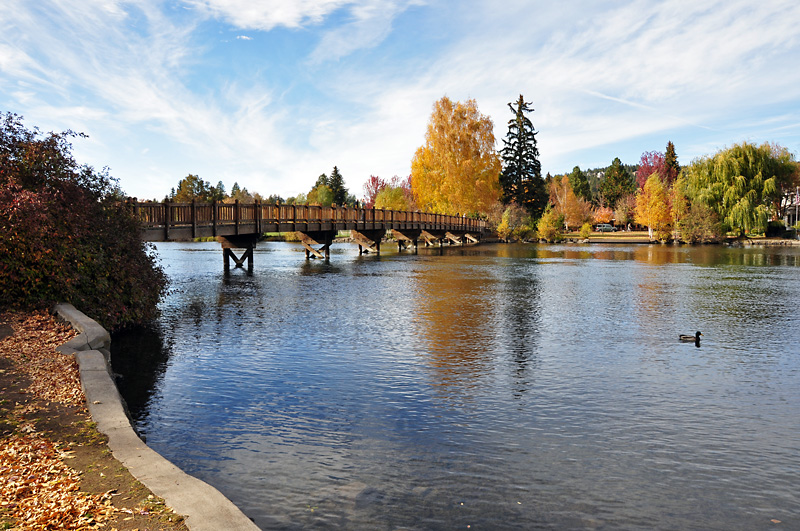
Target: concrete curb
{"type": "Point", "coordinates": [91, 335]}
{"type": "Point", "coordinates": [204, 507]}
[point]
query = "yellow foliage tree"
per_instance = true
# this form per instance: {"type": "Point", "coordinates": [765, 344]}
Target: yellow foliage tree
{"type": "Point", "coordinates": [457, 171]}
{"type": "Point", "coordinates": [653, 208]}
{"type": "Point", "coordinates": [391, 198]}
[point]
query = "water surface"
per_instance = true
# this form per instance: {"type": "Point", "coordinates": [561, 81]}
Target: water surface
{"type": "Point", "coordinates": [496, 386]}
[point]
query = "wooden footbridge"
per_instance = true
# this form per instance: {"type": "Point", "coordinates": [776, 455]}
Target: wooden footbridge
{"type": "Point", "coordinates": [240, 226]}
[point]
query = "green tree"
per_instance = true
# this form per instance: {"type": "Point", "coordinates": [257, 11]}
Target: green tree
{"type": "Point", "coordinates": [700, 224]}
{"type": "Point", "coordinates": [192, 188]}
{"type": "Point", "coordinates": [322, 180]}
{"type": "Point", "coordinates": [320, 195]}
{"type": "Point", "coordinates": [240, 194]}
{"type": "Point", "coordinates": [391, 198]}
{"type": "Point", "coordinates": [742, 184]}
{"type": "Point", "coordinates": [336, 184]}
{"type": "Point", "coordinates": [549, 226]}
{"type": "Point", "coordinates": [580, 184]}
{"type": "Point", "coordinates": [516, 223]}
{"type": "Point", "coordinates": [521, 179]}
{"type": "Point", "coordinates": [299, 199]}
{"type": "Point", "coordinates": [217, 193]}
{"type": "Point", "coordinates": [457, 170]}
{"type": "Point", "coordinates": [617, 183]}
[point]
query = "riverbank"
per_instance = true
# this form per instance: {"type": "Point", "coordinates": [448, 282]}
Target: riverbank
{"type": "Point", "coordinates": [56, 470]}
{"type": "Point", "coordinates": [632, 237]}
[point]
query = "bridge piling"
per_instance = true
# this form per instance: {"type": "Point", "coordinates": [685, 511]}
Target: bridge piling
{"type": "Point", "coordinates": [320, 237]}
{"type": "Point", "coordinates": [369, 239]}
{"type": "Point", "coordinates": [229, 243]}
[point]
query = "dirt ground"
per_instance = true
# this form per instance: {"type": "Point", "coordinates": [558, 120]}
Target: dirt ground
{"type": "Point", "coordinates": [56, 471]}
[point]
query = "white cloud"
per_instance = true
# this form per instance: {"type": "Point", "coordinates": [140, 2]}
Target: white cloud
{"type": "Point", "coordinates": [268, 14]}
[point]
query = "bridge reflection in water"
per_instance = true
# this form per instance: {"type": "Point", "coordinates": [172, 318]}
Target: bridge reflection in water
{"type": "Point", "coordinates": [239, 226]}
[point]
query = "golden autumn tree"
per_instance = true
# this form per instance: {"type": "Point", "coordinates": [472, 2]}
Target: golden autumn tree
{"type": "Point", "coordinates": [653, 207]}
{"type": "Point", "coordinates": [457, 170]}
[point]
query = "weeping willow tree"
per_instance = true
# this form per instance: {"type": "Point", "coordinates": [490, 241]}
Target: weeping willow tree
{"type": "Point", "coordinates": [742, 184]}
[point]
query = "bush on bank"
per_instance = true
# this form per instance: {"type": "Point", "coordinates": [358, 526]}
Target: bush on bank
{"type": "Point", "coordinates": [66, 234]}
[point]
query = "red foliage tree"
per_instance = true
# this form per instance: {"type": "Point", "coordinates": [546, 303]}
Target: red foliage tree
{"type": "Point", "coordinates": [650, 163]}
{"type": "Point", "coordinates": [372, 188]}
{"type": "Point", "coordinates": [666, 166]}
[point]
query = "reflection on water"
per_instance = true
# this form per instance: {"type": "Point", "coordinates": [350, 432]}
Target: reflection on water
{"type": "Point", "coordinates": [499, 386]}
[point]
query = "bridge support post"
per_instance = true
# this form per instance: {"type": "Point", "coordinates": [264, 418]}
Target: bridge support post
{"type": "Point", "coordinates": [369, 239]}
{"type": "Point", "coordinates": [227, 254]}
{"type": "Point", "coordinates": [405, 237]}
{"type": "Point", "coordinates": [433, 236]}
{"type": "Point", "coordinates": [229, 243]}
{"type": "Point", "coordinates": [322, 237]}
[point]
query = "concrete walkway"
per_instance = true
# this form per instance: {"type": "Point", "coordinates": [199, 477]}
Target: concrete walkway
{"type": "Point", "coordinates": [204, 507]}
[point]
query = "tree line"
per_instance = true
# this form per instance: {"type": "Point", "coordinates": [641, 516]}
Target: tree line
{"type": "Point", "coordinates": [327, 190]}
{"type": "Point", "coordinates": [458, 171]}
{"type": "Point", "coordinates": [738, 191]}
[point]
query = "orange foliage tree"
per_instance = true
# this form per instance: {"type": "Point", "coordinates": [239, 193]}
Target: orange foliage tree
{"type": "Point", "coordinates": [576, 210]}
{"type": "Point", "coordinates": [603, 215]}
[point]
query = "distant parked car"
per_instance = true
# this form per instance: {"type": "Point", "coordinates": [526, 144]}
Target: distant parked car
{"type": "Point", "coordinates": [605, 227]}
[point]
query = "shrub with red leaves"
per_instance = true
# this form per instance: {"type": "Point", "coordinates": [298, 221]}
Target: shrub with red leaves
{"type": "Point", "coordinates": [66, 234]}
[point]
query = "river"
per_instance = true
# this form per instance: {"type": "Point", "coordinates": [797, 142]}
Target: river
{"type": "Point", "coordinates": [485, 387]}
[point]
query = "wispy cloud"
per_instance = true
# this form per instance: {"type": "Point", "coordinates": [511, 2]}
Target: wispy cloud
{"type": "Point", "coordinates": [163, 95]}
{"type": "Point", "coordinates": [370, 24]}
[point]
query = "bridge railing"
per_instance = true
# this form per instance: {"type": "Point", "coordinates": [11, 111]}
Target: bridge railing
{"type": "Point", "coordinates": [156, 215]}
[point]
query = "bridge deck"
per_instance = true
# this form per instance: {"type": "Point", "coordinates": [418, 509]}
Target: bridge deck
{"type": "Point", "coordinates": [184, 221]}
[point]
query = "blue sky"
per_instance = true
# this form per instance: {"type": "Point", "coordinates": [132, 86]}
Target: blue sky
{"type": "Point", "coordinates": [272, 93]}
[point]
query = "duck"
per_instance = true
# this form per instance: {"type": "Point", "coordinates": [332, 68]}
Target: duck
{"type": "Point", "coordinates": [695, 338]}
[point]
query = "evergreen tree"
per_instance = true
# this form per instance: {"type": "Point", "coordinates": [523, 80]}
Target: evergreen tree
{"type": "Point", "coordinates": [580, 184]}
{"type": "Point", "coordinates": [671, 162]}
{"type": "Point", "coordinates": [336, 184]}
{"type": "Point", "coordinates": [521, 178]}
{"type": "Point", "coordinates": [616, 184]}
{"type": "Point", "coordinates": [218, 192]}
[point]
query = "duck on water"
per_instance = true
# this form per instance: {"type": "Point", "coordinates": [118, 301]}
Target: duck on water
{"type": "Point", "coordinates": [691, 339]}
